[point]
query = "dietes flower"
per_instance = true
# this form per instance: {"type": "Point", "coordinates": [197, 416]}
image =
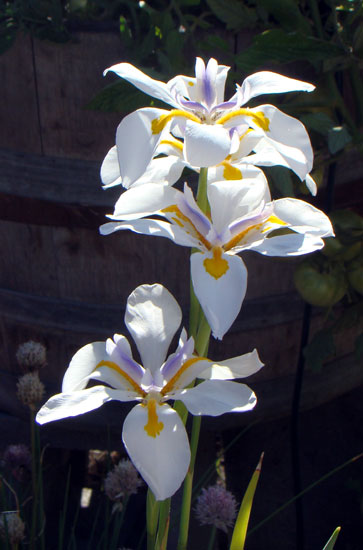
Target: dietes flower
{"type": "Point", "coordinates": [242, 217]}
{"type": "Point", "coordinates": [211, 129]}
{"type": "Point", "coordinates": [153, 433]}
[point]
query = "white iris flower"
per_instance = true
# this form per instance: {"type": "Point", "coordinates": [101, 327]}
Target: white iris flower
{"type": "Point", "coordinates": [210, 128]}
{"type": "Point", "coordinates": [242, 217]}
{"type": "Point", "coordinates": [153, 433]}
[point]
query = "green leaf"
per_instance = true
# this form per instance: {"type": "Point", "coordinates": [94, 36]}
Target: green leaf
{"type": "Point", "coordinates": [281, 47]}
{"type": "Point", "coordinates": [320, 122]}
{"type": "Point", "coordinates": [338, 138]}
{"type": "Point", "coordinates": [320, 348]}
{"type": "Point", "coordinates": [287, 13]}
{"type": "Point", "coordinates": [233, 13]}
{"type": "Point", "coordinates": [240, 528]}
{"type": "Point", "coordinates": [331, 542]}
{"type": "Point", "coordinates": [281, 180]}
{"type": "Point", "coordinates": [121, 97]}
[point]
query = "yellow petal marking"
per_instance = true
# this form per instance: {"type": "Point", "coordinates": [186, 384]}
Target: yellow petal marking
{"type": "Point", "coordinates": [153, 427]}
{"type": "Point", "coordinates": [182, 220]}
{"type": "Point", "coordinates": [172, 384]}
{"type": "Point", "coordinates": [240, 236]}
{"type": "Point", "coordinates": [258, 117]}
{"type": "Point", "coordinates": [111, 365]}
{"type": "Point", "coordinates": [173, 143]}
{"type": "Point", "coordinates": [231, 172]}
{"type": "Point", "coordinates": [158, 124]}
{"type": "Point", "coordinates": [216, 266]}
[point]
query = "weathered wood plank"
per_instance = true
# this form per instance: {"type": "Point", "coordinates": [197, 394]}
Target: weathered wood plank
{"type": "Point", "coordinates": [69, 75]}
{"type": "Point", "coordinates": [18, 107]}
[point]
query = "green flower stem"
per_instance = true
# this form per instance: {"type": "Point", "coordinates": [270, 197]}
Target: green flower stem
{"type": "Point", "coordinates": [188, 486]}
{"type": "Point", "coordinates": [152, 516]}
{"type": "Point", "coordinates": [212, 538]}
{"type": "Point", "coordinates": [34, 479]}
{"type": "Point", "coordinates": [164, 521]}
{"type": "Point", "coordinates": [194, 311]}
{"type": "Point", "coordinates": [202, 199]}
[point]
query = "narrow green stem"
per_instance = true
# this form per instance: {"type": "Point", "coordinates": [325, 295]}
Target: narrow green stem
{"type": "Point", "coordinates": [188, 486]}
{"type": "Point", "coordinates": [152, 516]}
{"type": "Point", "coordinates": [200, 330]}
{"type": "Point", "coordinates": [34, 480]}
{"type": "Point", "coordinates": [212, 538]}
{"type": "Point", "coordinates": [202, 198]}
{"type": "Point", "coordinates": [164, 521]}
{"type": "Point", "coordinates": [357, 87]}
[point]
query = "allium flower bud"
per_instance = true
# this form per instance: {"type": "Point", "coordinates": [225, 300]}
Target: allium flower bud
{"type": "Point", "coordinates": [216, 506]}
{"type": "Point", "coordinates": [11, 527]}
{"type": "Point", "coordinates": [31, 355]}
{"type": "Point", "coordinates": [122, 481]}
{"type": "Point", "coordinates": [17, 458]}
{"type": "Point", "coordinates": [30, 389]}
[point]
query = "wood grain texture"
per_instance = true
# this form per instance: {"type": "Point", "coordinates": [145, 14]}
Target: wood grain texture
{"type": "Point", "coordinates": [18, 107]}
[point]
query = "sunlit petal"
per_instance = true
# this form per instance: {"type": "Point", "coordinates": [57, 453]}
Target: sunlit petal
{"type": "Point", "coordinates": [110, 169]}
{"type": "Point", "coordinates": [220, 287]}
{"type": "Point", "coordinates": [205, 145]}
{"type": "Point", "coordinates": [64, 405]}
{"type": "Point", "coordinates": [216, 397]}
{"type": "Point", "coordinates": [82, 364]}
{"type": "Point", "coordinates": [152, 317]}
{"type": "Point", "coordinates": [235, 367]}
{"type": "Point", "coordinates": [144, 200]}
{"type": "Point", "coordinates": [267, 82]}
{"type": "Point", "coordinates": [162, 460]}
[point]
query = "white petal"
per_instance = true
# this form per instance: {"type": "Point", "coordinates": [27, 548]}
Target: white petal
{"type": "Point", "coordinates": [110, 169]}
{"type": "Point", "coordinates": [155, 228]}
{"type": "Point", "coordinates": [287, 131]}
{"type": "Point", "coordinates": [230, 200]}
{"type": "Point", "coordinates": [216, 397]}
{"type": "Point", "coordinates": [144, 200]}
{"type": "Point", "coordinates": [152, 317]}
{"type": "Point", "coordinates": [65, 405]}
{"type": "Point", "coordinates": [236, 367]}
{"type": "Point", "coordinates": [267, 82]}
{"type": "Point", "coordinates": [311, 185]}
{"type": "Point", "coordinates": [163, 460]}
{"type": "Point", "coordinates": [205, 144]}
{"type": "Point", "coordinates": [82, 364]}
{"type": "Point", "coordinates": [294, 244]}
{"type": "Point", "coordinates": [136, 143]}
{"type": "Point", "coordinates": [220, 298]}
{"type": "Point", "coordinates": [164, 170]}
{"type": "Point", "coordinates": [303, 217]}
{"type": "Point", "coordinates": [154, 88]}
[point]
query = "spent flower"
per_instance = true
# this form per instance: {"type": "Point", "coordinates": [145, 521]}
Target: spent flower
{"type": "Point", "coordinates": [153, 432]}
{"type": "Point", "coordinates": [17, 458]}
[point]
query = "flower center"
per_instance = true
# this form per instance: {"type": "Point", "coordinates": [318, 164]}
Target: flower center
{"type": "Point", "coordinates": [216, 266]}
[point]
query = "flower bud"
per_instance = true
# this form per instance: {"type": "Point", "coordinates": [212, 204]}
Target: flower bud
{"type": "Point", "coordinates": [31, 355]}
{"type": "Point", "coordinates": [30, 389]}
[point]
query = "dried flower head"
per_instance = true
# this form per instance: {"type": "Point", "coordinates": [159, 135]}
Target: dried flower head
{"type": "Point", "coordinates": [122, 481]}
{"type": "Point", "coordinates": [17, 458]}
{"type": "Point", "coordinates": [216, 506]}
{"type": "Point", "coordinates": [31, 355]}
{"type": "Point", "coordinates": [30, 389]}
{"type": "Point", "coordinates": [11, 527]}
